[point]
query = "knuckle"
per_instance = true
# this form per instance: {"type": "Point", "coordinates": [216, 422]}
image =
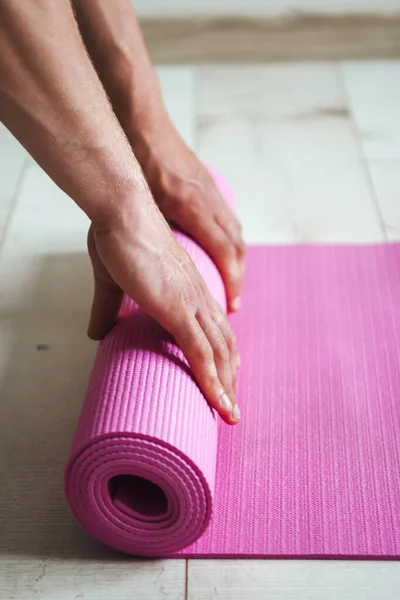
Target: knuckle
{"type": "Point", "coordinates": [223, 323]}
{"type": "Point", "coordinates": [189, 305]}
{"type": "Point", "coordinates": [227, 251]}
{"type": "Point", "coordinates": [202, 351]}
{"type": "Point", "coordinates": [220, 317]}
{"type": "Point", "coordinates": [220, 348]}
{"type": "Point", "coordinates": [240, 248]}
{"type": "Point", "coordinates": [231, 339]}
{"type": "Point", "coordinates": [181, 325]}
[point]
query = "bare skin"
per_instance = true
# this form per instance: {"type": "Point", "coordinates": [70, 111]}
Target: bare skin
{"type": "Point", "coordinates": [182, 187]}
{"type": "Point", "coordinates": [52, 100]}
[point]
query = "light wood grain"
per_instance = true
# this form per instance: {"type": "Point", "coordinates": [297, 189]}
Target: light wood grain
{"type": "Point", "coordinates": [284, 138]}
{"type": "Point", "coordinates": [91, 579]}
{"type": "Point", "coordinates": [293, 580]}
{"type": "Point", "coordinates": [386, 180]}
{"type": "Point", "coordinates": [296, 36]}
{"type": "Point", "coordinates": [260, 8]}
{"type": "Point", "coordinates": [374, 92]}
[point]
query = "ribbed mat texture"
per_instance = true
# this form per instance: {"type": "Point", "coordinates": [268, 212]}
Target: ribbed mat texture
{"type": "Point", "coordinates": [312, 470]}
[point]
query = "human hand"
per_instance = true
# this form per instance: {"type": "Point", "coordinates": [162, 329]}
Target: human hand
{"type": "Point", "coordinates": [188, 196]}
{"type": "Point", "coordinates": [138, 254]}
{"type": "Point", "coordinates": [52, 100]}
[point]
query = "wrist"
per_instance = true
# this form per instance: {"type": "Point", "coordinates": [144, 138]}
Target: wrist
{"type": "Point", "coordinates": [146, 122]}
{"type": "Point", "coordinates": [115, 208]}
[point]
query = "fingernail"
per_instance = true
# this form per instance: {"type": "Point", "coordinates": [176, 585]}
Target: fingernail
{"type": "Point", "coordinates": [226, 404]}
{"type": "Point", "coordinates": [235, 304]}
{"type": "Point", "coordinates": [236, 413]}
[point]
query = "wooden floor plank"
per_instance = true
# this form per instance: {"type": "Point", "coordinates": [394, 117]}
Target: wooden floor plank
{"type": "Point", "coordinates": [293, 580]}
{"type": "Point", "coordinates": [374, 92]}
{"type": "Point", "coordinates": [283, 136]}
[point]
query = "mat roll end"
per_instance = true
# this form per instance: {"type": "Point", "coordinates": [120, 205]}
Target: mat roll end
{"type": "Point", "coordinates": [138, 495]}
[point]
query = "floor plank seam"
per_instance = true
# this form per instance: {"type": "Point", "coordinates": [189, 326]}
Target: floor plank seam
{"type": "Point", "coordinates": [360, 147]}
{"type": "Point", "coordinates": [187, 579]}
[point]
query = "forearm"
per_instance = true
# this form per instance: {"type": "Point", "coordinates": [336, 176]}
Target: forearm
{"type": "Point", "coordinates": [53, 102]}
{"type": "Point", "coordinates": [113, 38]}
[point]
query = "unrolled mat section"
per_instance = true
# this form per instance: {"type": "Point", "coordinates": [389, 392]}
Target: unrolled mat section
{"type": "Point", "coordinates": [313, 469]}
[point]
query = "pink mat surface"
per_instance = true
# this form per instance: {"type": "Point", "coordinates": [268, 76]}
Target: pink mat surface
{"type": "Point", "coordinates": [313, 469]}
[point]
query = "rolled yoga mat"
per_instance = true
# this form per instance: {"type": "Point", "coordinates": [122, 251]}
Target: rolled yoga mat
{"type": "Point", "coordinates": [312, 470]}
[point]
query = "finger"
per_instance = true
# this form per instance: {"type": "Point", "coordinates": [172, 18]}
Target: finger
{"type": "Point", "coordinates": [230, 338]}
{"type": "Point", "coordinates": [230, 224]}
{"type": "Point", "coordinates": [193, 342]}
{"type": "Point", "coordinates": [221, 352]}
{"type": "Point", "coordinates": [228, 220]}
{"type": "Point", "coordinates": [232, 227]}
{"type": "Point", "coordinates": [106, 305]}
{"type": "Point", "coordinates": [107, 296]}
{"type": "Point", "coordinates": [223, 252]}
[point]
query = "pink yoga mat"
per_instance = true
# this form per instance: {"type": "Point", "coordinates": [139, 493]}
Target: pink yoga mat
{"type": "Point", "coordinates": [313, 469]}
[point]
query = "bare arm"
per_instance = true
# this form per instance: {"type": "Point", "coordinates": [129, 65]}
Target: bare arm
{"type": "Point", "coordinates": [114, 41]}
{"type": "Point", "coordinates": [52, 100]}
{"type": "Point", "coordinates": [182, 187]}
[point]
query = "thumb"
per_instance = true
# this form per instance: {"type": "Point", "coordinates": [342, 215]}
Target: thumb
{"type": "Point", "coordinates": [107, 296]}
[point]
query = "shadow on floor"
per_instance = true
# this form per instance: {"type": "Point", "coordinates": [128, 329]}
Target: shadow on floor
{"type": "Point", "coordinates": [47, 366]}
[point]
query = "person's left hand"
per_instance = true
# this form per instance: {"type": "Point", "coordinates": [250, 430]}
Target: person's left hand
{"type": "Point", "coordinates": [188, 196]}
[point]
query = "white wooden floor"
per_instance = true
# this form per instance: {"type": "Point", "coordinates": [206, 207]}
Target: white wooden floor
{"type": "Point", "coordinates": [313, 153]}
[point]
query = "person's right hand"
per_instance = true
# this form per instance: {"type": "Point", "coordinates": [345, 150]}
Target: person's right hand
{"type": "Point", "coordinates": [139, 255]}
